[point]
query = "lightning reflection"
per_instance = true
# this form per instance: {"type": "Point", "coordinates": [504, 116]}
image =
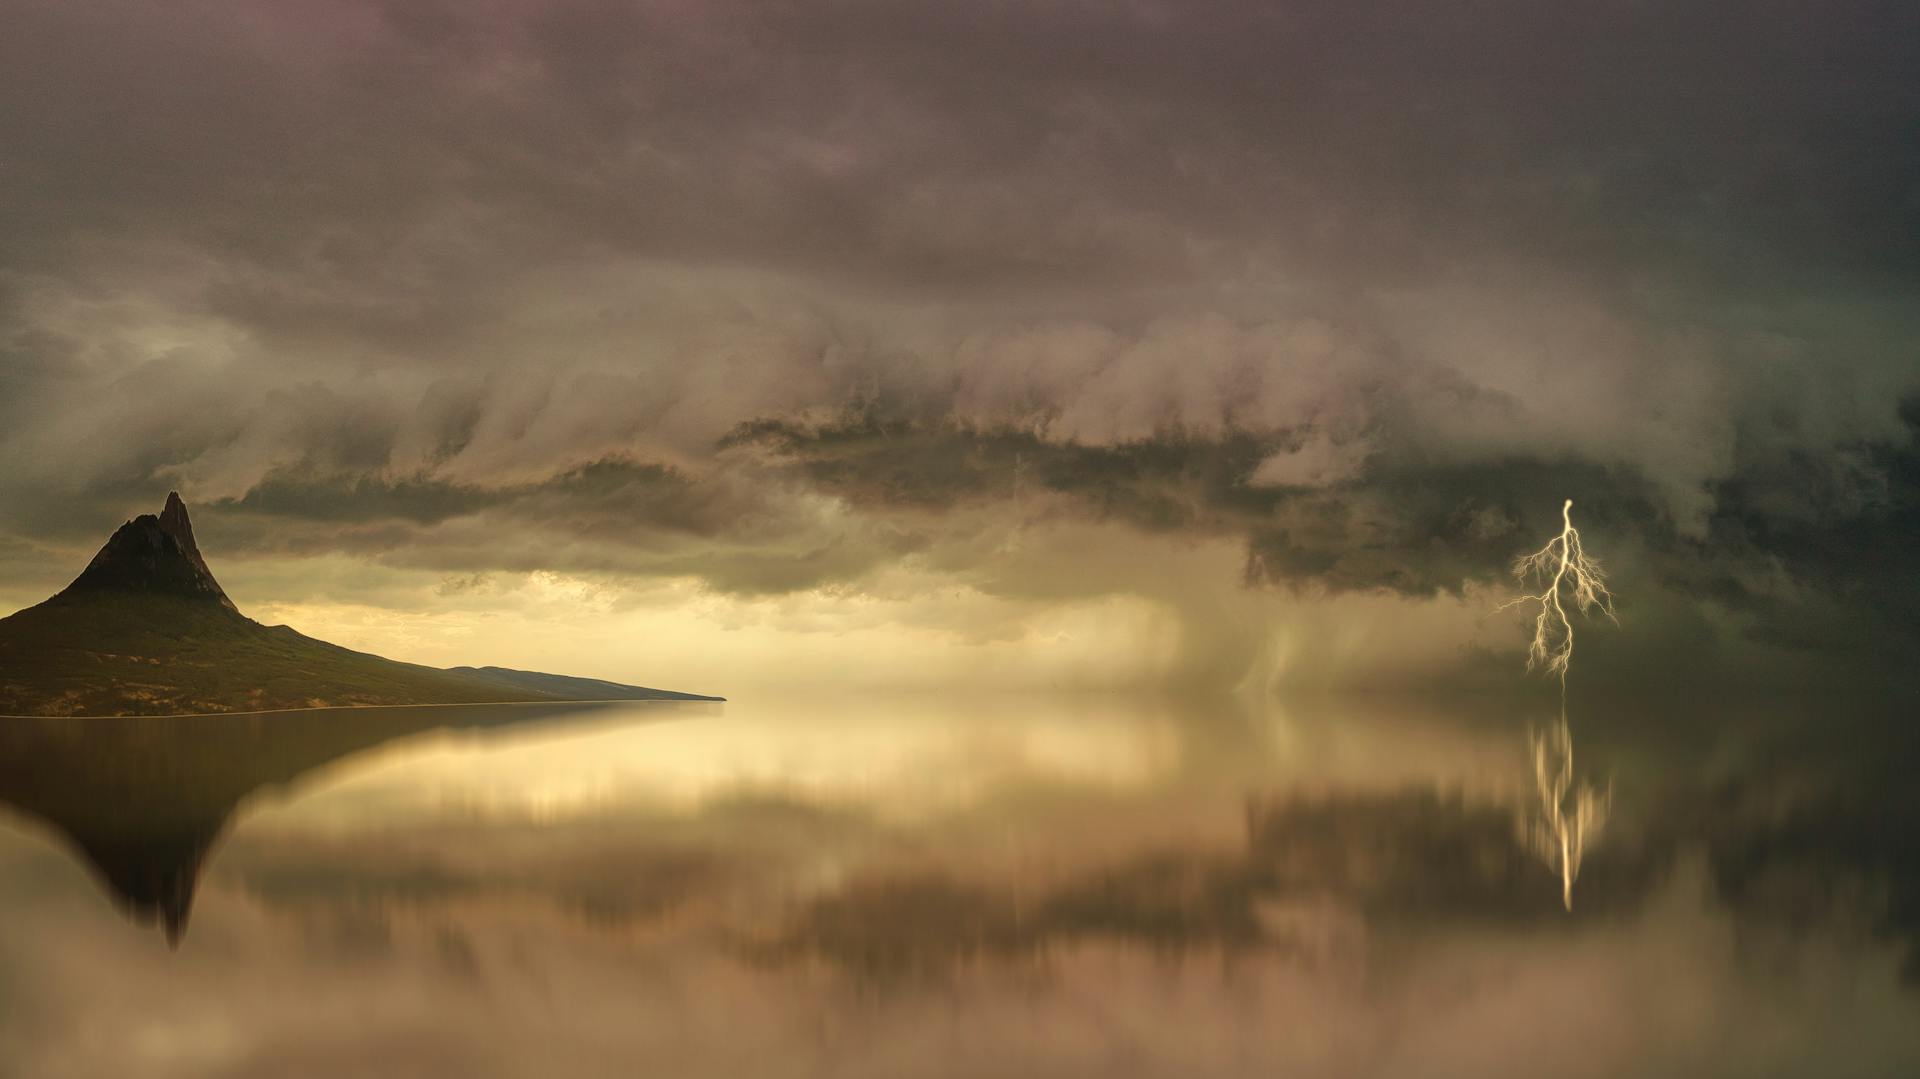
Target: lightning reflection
{"type": "Point", "coordinates": [1570, 813]}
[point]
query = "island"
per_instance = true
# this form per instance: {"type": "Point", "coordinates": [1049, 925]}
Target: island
{"type": "Point", "coordinates": [146, 630]}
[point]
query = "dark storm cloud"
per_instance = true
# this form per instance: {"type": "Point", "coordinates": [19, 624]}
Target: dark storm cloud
{"type": "Point", "coordinates": [1420, 531]}
{"type": "Point", "coordinates": [1810, 549]}
{"type": "Point", "coordinates": [615, 517]}
{"type": "Point", "coordinates": [958, 143]}
{"type": "Point", "coordinates": [607, 493]}
{"type": "Point", "coordinates": [593, 286]}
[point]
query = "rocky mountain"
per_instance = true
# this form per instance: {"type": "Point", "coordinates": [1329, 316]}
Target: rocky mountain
{"type": "Point", "coordinates": [147, 630]}
{"type": "Point", "coordinates": [150, 556]}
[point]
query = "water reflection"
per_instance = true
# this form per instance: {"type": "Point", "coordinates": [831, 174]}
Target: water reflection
{"type": "Point", "coordinates": [1006, 886]}
{"type": "Point", "coordinates": [1569, 814]}
{"type": "Point", "coordinates": [142, 800]}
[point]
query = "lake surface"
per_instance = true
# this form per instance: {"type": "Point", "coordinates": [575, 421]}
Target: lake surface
{"type": "Point", "coordinates": [951, 886]}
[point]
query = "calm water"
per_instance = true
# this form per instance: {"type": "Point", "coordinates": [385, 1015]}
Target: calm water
{"type": "Point", "coordinates": [996, 886]}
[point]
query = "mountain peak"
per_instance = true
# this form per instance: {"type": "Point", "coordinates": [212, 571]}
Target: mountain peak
{"type": "Point", "coordinates": [174, 522]}
{"type": "Point", "coordinates": [174, 517]}
{"type": "Point", "coordinates": [152, 555]}
{"type": "Point", "coordinates": [146, 630]}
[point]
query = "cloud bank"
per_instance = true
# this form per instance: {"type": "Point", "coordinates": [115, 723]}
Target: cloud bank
{"type": "Point", "coordinates": [773, 302]}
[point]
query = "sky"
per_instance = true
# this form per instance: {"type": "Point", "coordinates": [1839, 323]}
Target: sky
{"type": "Point", "coordinates": [909, 344]}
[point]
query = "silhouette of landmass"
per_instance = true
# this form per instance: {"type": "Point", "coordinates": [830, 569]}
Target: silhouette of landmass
{"type": "Point", "coordinates": [143, 799]}
{"type": "Point", "coordinates": [146, 630]}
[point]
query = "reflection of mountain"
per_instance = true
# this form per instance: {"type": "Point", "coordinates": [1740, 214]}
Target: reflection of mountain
{"type": "Point", "coordinates": [146, 630]}
{"type": "Point", "coordinates": [143, 799]}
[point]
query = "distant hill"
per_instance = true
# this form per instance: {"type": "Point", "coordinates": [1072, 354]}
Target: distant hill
{"type": "Point", "coordinates": [147, 630]}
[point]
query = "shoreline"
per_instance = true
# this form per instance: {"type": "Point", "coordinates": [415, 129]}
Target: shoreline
{"type": "Point", "coordinates": [690, 699]}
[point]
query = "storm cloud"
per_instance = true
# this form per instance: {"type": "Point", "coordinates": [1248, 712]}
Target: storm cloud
{"type": "Point", "coordinates": [775, 298]}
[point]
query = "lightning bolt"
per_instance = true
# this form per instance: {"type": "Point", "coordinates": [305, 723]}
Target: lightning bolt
{"type": "Point", "coordinates": [1570, 814]}
{"type": "Point", "coordinates": [1564, 568]}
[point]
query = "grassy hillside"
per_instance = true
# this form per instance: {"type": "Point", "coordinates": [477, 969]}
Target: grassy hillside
{"type": "Point", "coordinates": [145, 630]}
{"type": "Point", "coordinates": [121, 654]}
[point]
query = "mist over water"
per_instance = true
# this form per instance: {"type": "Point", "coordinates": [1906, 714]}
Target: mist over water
{"type": "Point", "coordinates": [1002, 884]}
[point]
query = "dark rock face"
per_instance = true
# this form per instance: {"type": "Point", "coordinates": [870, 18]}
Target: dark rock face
{"type": "Point", "coordinates": [155, 556]}
{"type": "Point", "coordinates": [145, 630]}
{"type": "Point", "coordinates": [174, 522]}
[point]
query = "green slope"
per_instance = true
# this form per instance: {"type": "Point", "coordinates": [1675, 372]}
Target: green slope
{"type": "Point", "coordinates": [145, 630]}
{"type": "Point", "coordinates": [124, 655]}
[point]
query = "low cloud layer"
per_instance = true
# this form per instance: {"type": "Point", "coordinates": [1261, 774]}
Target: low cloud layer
{"type": "Point", "coordinates": [769, 303]}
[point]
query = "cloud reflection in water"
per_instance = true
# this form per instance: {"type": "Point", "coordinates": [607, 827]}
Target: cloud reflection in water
{"type": "Point", "coordinates": [1018, 887]}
